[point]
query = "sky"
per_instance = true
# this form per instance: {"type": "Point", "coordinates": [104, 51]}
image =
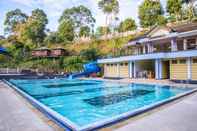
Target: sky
{"type": "Point", "coordinates": [54, 9]}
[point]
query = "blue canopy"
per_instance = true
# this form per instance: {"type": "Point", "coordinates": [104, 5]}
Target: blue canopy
{"type": "Point", "coordinates": [3, 50]}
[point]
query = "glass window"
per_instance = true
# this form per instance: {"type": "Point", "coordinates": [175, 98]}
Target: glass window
{"type": "Point", "coordinates": [195, 60]}
{"type": "Point", "coordinates": [121, 64]}
{"type": "Point", "coordinates": [126, 64]}
{"type": "Point", "coordinates": [182, 61]}
{"type": "Point", "coordinates": [174, 61]}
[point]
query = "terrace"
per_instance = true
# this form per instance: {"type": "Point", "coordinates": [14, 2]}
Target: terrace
{"type": "Point", "coordinates": [161, 40]}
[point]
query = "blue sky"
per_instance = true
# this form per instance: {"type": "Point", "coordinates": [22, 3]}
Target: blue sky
{"type": "Point", "coordinates": [54, 8]}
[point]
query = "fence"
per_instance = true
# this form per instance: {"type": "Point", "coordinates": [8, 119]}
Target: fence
{"type": "Point", "coordinates": [9, 71]}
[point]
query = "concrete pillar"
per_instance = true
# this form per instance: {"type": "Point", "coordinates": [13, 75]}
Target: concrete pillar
{"type": "Point", "coordinates": [144, 49]}
{"type": "Point", "coordinates": [196, 42]}
{"type": "Point", "coordinates": [149, 48]}
{"type": "Point", "coordinates": [134, 69]}
{"type": "Point", "coordinates": [185, 44]}
{"type": "Point", "coordinates": [136, 51]}
{"type": "Point", "coordinates": [130, 69]}
{"type": "Point", "coordinates": [189, 68]}
{"type": "Point", "coordinates": [118, 70]}
{"type": "Point", "coordinates": [7, 70]}
{"type": "Point", "coordinates": [173, 44]}
{"type": "Point", "coordinates": [158, 69]}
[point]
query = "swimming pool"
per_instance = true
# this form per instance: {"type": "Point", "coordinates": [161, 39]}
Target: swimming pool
{"type": "Point", "coordinates": [89, 104]}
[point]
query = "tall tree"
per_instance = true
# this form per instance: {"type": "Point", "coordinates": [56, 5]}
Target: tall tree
{"type": "Point", "coordinates": [174, 7]}
{"type": "Point", "coordinates": [34, 28]}
{"type": "Point", "coordinates": [127, 25]}
{"type": "Point", "coordinates": [149, 11]}
{"type": "Point", "coordinates": [13, 18]}
{"type": "Point", "coordinates": [80, 16]}
{"type": "Point", "coordinates": [109, 7]}
{"type": "Point", "coordinates": [66, 31]}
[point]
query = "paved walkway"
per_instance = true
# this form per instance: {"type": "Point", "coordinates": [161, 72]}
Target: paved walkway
{"type": "Point", "coordinates": [181, 116]}
{"type": "Point", "coordinates": [15, 115]}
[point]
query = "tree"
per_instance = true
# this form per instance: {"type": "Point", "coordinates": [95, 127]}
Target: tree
{"type": "Point", "coordinates": [189, 11]}
{"type": "Point", "coordinates": [109, 7]}
{"type": "Point", "coordinates": [38, 20]}
{"type": "Point", "coordinates": [52, 38]}
{"type": "Point", "coordinates": [102, 30]}
{"type": "Point", "coordinates": [13, 18]}
{"type": "Point", "coordinates": [84, 31]}
{"type": "Point", "coordinates": [90, 54]}
{"type": "Point", "coordinates": [66, 31]}
{"type": "Point", "coordinates": [34, 28]}
{"type": "Point", "coordinates": [161, 20]}
{"type": "Point", "coordinates": [149, 11]}
{"type": "Point", "coordinates": [127, 25]}
{"type": "Point", "coordinates": [174, 7]}
{"type": "Point", "coordinates": [80, 16]}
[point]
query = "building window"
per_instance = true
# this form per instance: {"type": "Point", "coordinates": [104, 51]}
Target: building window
{"type": "Point", "coordinates": [121, 64]}
{"type": "Point", "coordinates": [111, 64]}
{"type": "Point", "coordinates": [126, 64]}
{"type": "Point", "coordinates": [108, 65]}
{"type": "Point", "coordinates": [195, 61]}
{"type": "Point", "coordinates": [182, 61]}
{"type": "Point", "coordinates": [174, 61]}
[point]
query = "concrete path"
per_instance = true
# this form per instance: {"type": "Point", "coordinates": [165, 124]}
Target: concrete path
{"type": "Point", "coordinates": [15, 115]}
{"type": "Point", "coordinates": [181, 116]}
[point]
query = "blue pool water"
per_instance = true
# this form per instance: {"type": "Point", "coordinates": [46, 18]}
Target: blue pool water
{"type": "Point", "coordinates": [84, 102]}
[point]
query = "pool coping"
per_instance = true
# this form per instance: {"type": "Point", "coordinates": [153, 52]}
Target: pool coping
{"type": "Point", "coordinates": [68, 125]}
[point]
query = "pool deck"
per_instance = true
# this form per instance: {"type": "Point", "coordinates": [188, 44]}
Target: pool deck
{"type": "Point", "coordinates": [181, 116]}
{"type": "Point", "coordinates": [16, 114]}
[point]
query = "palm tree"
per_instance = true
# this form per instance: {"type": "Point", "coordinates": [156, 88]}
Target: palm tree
{"type": "Point", "coordinates": [109, 7]}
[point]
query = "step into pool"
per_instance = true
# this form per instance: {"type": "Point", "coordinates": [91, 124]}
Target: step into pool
{"type": "Point", "coordinates": [91, 104]}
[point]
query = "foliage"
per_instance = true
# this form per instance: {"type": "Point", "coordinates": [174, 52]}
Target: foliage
{"type": "Point", "coordinates": [73, 64]}
{"type": "Point", "coordinates": [109, 6]}
{"type": "Point", "coordinates": [84, 31]}
{"type": "Point", "coordinates": [149, 11]}
{"type": "Point", "coordinates": [13, 18]}
{"type": "Point", "coordinates": [27, 30]}
{"type": "Point", "coordinates": [52, 38]}
{"type": "Point", "coordinates": [102, 30]}
{"type": "Point", "coordinates": [174, 7]}
{"type": "Point", "coordinates": [189, 13]}
{"type": "Point", "coordinates": [127, 25]}
{"type": "Point", "coordinates": [90, 54]}
{"type": "Point", "coordinates": [79, 16]}
{"type": "Point", "coordinates": [66, 31]}
{"type": "Point", "coordinates": [161, 20]}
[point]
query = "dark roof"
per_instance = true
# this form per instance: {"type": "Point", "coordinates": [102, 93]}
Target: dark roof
{"type": "Point", "coordinates": [184, 27]}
